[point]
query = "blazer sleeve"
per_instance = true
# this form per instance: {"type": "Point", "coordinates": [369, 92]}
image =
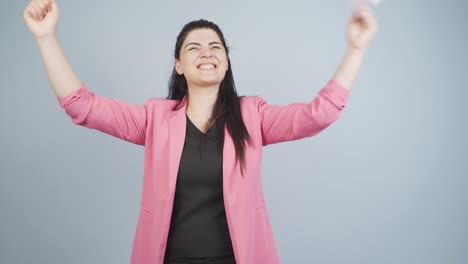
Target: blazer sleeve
{"type": "Point", "coordinates": [110, 116]}
{"type": "Point", "coordinates": [299, 120]}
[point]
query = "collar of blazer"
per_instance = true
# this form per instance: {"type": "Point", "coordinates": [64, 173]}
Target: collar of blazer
{"type": "Point", "coordinates": [180, 107]}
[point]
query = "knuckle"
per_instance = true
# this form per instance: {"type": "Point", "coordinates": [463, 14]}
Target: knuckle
{"type": "Point", "coordinates": [40, 4]}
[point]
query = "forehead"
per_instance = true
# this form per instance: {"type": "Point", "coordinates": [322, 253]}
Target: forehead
{"type": "Point", "coordinates": [202, 35]}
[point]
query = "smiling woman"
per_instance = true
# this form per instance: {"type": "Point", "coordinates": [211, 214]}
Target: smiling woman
{"type": "Point", "coordinates": [202, 74]}
{"type": "Point", "coordinates": [202, 198]}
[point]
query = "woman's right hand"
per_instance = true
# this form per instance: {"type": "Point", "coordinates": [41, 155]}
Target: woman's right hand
{"type": "Point", "coordinates": [41, 17]}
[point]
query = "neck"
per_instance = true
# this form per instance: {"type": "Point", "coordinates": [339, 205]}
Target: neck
{"type": "Point", "coordinates": [201, 100]}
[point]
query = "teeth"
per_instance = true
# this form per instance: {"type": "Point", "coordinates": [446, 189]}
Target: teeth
{"type": "Point", "coordinates": [207, 66]}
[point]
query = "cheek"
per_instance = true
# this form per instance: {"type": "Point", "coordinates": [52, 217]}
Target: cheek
{"type": "Point", "coordinates": [225, 63]}
{"type": "Point", "coordinates": [186, 61]}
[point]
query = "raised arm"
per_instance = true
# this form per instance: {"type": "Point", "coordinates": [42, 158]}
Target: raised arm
{"type": "Point", "coordinates": [362, 27]}
{"type": "Point", "coordinates": [300, 120]}
{"type": "Point", "coordinates": [41, 17]}
{"type": "Point", "coordinates": [85, 108]}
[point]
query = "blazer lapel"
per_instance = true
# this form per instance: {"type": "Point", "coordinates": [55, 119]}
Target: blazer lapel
{"type": "Point", "coordinates": [177, 127]}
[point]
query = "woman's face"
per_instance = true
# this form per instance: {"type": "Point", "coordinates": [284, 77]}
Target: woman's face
{"type": "Point", "coordinates": [203, 60]}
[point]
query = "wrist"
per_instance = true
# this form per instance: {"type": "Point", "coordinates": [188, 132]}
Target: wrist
{"type": "Point", "coordinates": [354, 50]}
{"type": "Point", "coordinates": [44, 40]}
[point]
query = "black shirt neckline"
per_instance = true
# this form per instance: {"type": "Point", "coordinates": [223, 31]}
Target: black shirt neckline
{"type": "Point", "coordinates": [210, 130]}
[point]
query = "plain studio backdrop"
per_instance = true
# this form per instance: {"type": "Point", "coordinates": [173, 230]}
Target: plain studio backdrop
{"type": "Point", "coordinates": [385, 183]}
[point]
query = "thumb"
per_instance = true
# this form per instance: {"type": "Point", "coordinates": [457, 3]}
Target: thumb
{"type": "Point", "coordinates": [53, 6]}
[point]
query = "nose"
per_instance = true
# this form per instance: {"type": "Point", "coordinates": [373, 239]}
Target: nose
{"type": "Point", "coordinates": [206, 52]}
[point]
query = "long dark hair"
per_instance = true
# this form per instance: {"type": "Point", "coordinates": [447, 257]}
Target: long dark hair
{"type": "Point", "coordinates": [226, 110]}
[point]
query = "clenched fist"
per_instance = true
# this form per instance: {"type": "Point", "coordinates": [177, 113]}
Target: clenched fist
{"type": "Point", "coordinates": [41, 17]}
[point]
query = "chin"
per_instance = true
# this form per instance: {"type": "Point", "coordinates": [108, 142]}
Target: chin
{"type": "Point", "coordinates": [210, 82]}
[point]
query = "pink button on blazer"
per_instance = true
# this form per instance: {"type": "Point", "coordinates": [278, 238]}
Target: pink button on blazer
{"type": "Point", "coordinates": [161, 130]}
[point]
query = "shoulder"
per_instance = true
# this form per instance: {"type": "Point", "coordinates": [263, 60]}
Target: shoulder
{"type": "Point", "coordinates": [160, 108]}
{"type": "Point", "coordinates": [250, 101]}
{"type": "Point", "coordinates": [253, 103]}
{"type": "Point", "coordinates": [161, 103]}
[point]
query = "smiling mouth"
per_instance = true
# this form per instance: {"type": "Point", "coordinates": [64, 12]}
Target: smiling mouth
{"type": "Point", "coordinates": [207, 67]}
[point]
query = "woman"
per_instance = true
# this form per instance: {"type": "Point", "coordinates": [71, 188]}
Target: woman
{"type": "Point", "coordinates": [202, 198]}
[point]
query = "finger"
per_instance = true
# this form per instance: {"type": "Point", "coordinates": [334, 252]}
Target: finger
{"type": "Point", "coordinates": [40, 11]}
{"type": "Point", "coordinates": [362, 17]}
{"type": "Point", "coordinates": [364, 12]}
{"type": "Point", "coordinates": [368, 14]}
{"type": "Point", "coordinates": [44, 5]}
{"type": "Point", "coordinates": [47, 4]}
{"type": "Point", "coordinates": [40, 4]}
{"type": "Point", "coordinates": [367, 8]}
{"type": "Point", "coordinates": [29, 12]}
{"type": "Point", "coordinates": [35, 10]}
{"type": "Point", "coordinates": [369, 20]}
{"type": "Point", "coordinates": [53, 5]}
{"type": "Point", "coordinates": [359, 4]}
{"type": "Point", "coordinates": [362, 7]}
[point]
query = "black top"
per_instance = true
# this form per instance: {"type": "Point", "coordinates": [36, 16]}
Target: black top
{"type": "Point", "coordinates": [198, 224]}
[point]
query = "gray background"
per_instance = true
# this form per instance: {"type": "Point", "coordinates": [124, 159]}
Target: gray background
{"type": "Point", "coordinates": [386, 183]}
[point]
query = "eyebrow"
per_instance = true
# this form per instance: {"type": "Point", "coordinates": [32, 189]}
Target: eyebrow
{"type": "Point", "coordinates": [198, 44]}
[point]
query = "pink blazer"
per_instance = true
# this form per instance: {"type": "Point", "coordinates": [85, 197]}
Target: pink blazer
{"type": "Point", "coordinates": [161, 130]}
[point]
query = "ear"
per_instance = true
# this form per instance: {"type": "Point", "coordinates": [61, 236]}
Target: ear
{"type": "Point", "coordinates": [178, 67]}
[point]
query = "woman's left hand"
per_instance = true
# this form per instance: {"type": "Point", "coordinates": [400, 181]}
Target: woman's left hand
{"type": "Point", "coordinates": [361, 27]}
